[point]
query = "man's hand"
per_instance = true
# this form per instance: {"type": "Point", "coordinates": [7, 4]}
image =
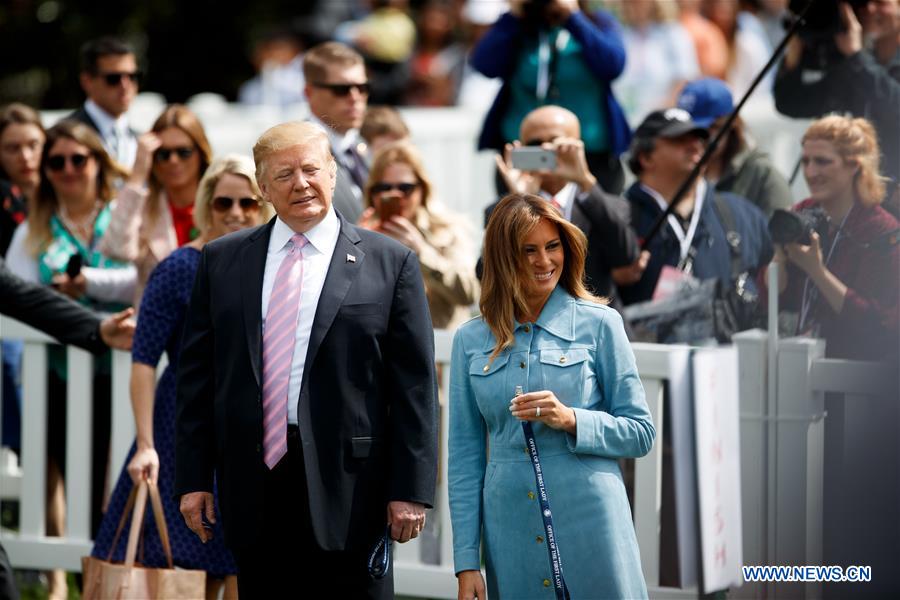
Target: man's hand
{"type": "Point", "coordinates": [73, 288]}
{"type": "Point", "coordinates": [631, 274]}
{"type": "Point", "coordinates": [117, 330]}
{"type": "Point", "coordinates": [850, 40]}
{"type": "Point", "coordinates": [518, 182]}
{"type": "Point", "coordinates": [471, 585]}
{"type": "Point", "coordinates": [193, 506]}
{"type": "Point", "coordinates": [407, 520]}
{"type": "Point", "coordinates": [571, 162]}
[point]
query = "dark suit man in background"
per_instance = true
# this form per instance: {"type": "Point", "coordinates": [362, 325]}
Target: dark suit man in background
{"type": "Point", "coordinates": [109, 78]}
{"type": "Point", "coordinates": [574, 191]}
{"type": "Point", "coordinates": [338, 90]}
{"type": "Point", "coordinates": [306, 385]}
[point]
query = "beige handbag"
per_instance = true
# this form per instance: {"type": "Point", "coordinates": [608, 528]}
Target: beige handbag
{"type": "Point", "coordinates": [106, 580]}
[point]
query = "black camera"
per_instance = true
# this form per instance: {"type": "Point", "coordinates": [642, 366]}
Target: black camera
{"type": "Point", "coordinates": [73, 267]}
{"type": "Point", "coordinates": [823, 20]}
{"type": "Point", "coordinates": [789, 227]}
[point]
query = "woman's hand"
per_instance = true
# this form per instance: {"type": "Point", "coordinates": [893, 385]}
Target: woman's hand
{"type": "Point", "coordinates": [545, 408]}
{"type": "Point", "coordinates": [368, 219]}
{"type": "Point", "coordinates": [72, 287]}
{"type": "Point", "coordinates": [148, 144]}
{"type": "Point", "coordinates": [402, 230]}
{"type": "Point", "coordinates": [471, 585]}
{"type": "Point", "coordinates": [807, 258]}
{"type": "Point", "coordinates": [144, 465]}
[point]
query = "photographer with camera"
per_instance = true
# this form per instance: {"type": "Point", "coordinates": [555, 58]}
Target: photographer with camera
{"type": "Point", "coordinates": [847, 59]}
{"type": "Point", "coordinates": [551, 52]}
{"type": "Point", "coordinates": [838, 264]}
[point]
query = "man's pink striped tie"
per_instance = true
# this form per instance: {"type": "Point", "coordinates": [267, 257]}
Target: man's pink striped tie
{"type": "Point", "coordinates": [278, 350]}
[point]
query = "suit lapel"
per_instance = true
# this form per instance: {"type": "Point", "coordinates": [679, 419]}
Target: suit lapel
{"type": "Point", "coordinates": [253, 266]}
{"type": "Point", "coordinates": [341, 274]}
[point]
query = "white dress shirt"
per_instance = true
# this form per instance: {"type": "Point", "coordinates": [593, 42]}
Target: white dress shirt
{"type": "Point", "coordinates": [565, 198]}
{"type": "Point", "coordinates": [316, 257]}
{"type": "Point", "coordinates": [111, 127]}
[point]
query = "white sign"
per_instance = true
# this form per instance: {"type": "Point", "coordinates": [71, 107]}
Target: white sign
{"type": "Point", "coordinates": [718, 452]}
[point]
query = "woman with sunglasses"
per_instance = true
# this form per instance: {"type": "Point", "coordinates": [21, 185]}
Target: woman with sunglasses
{"type": "Point", "coordinates": [400, 205]}
{"type": "Point", "coordinates": [59, 244]}
{"type": "Point", "coordinates": [153, 215]}
{"type": "Point", "coordinates": [227, 200]}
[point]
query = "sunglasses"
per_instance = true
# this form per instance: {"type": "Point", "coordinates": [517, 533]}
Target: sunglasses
{"type": "Point", "coordinates": [57, 162]}
{"type": "Point", "coordinates": [115, 78]}
{"type": "Point", "coordinates": [164, 154]}
{"type": "Point", "coordinates": [224, 204]}
{"type": "Point", "coordinates": [343, 89]}
{"type": "Point", "coordinates": [404, 188]}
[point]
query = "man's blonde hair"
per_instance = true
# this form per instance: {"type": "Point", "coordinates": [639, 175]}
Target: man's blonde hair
{"type": "Point", "coordinates": [286, 135]}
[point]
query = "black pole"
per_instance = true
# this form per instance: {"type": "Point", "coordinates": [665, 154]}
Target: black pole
{"type": "Point", "coordinates": [711, 147]}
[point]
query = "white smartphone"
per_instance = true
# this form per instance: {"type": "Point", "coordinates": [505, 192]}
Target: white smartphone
{"type": "Point", "coordinates": [531, 158]}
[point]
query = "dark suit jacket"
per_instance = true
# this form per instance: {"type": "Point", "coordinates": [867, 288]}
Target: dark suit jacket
{"type": "Point", "coordinates": [368, 400]}
{"type": "Point", "coordinates": [345, 201]}
{"type": "Point", "coordinates": [603, 218]}
{"type": "Point", "coordinates": [54, 314]}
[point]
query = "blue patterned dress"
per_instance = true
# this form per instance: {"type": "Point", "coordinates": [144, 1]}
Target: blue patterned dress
{"type": "Point", "coordinates": [159, 328]}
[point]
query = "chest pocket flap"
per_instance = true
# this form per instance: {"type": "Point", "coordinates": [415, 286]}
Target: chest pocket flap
{"type": "Point", "coordinates": [479, 366]}
{"type": "Point", "coordinates": [564, 358]}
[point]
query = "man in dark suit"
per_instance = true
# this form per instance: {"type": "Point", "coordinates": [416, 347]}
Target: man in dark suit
{"type": "Point", "coordinates": [338, 90]}
{"type": "Point", "coordinates": [306, 387]}
{"type": "Point", "coordinates": [109, 78]}
{"type": "Point", "coordinates": [571, 187]}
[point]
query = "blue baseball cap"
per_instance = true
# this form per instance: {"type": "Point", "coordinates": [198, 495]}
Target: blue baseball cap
{"type": "Point", "coordinates": [706, 100]}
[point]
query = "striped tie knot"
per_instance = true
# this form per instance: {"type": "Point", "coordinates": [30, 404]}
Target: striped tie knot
{"type": "Point", "coordinates": [297, 241]}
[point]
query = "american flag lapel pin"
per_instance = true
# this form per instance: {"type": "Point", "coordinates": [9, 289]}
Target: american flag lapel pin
{"type": "Point", "coordinates": [351, 258]}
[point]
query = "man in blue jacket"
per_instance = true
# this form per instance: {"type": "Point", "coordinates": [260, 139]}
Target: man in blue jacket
{"type": "Point", "coordinates": [709, 234]}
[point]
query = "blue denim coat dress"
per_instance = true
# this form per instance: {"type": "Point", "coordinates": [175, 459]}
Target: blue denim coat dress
{"type": "Point", "coordinates": [579, 351]}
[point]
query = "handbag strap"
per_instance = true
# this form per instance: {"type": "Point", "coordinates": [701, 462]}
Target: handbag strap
{"type": "Point", "coordinates": [129, 504]}
{"type": "Point", "coordinates": [137, 502]}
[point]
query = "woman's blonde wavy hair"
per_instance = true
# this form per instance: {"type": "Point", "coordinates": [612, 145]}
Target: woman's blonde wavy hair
{"type": "Point", "coordinates": [503, 294]}
{"type": "Point", "coordinates": [857, 143]}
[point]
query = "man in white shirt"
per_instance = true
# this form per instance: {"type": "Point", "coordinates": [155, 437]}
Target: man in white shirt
{"type": "Point", "coordinates": [109, 78]}
{"type": "Point", "coordinates": [337, 89]}
{"type": "Point", "coordinates": [306, 387]}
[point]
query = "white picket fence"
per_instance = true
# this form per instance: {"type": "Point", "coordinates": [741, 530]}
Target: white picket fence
{"type": "Point", "coordinates": [783, 449]}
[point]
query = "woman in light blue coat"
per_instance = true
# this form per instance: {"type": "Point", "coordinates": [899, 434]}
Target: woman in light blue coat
{"type": "Point", "coordinates": [542, 331]}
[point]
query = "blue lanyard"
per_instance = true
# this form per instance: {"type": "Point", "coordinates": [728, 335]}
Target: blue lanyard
{"type": "Point", "coordinates": [380, 557]}
{"type": "Point", "coordinates": [559, 582]}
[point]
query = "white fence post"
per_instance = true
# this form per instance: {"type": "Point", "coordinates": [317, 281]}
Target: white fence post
{"type": "Point", "coordinates": [753, 392]}
{"type": "Point", "coordinates": [800, 437]}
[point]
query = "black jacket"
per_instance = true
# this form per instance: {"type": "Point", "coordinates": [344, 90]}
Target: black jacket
{"type": "Point", "coordinates": [54, 314]}
{"type": "Point", "coordinates": [368, 401]}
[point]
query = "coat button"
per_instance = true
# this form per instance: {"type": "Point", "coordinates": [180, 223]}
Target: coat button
{"type": "Point", "coordinates": [258, 448]}
{"type": "Point", "coordinates": [527, 329]}
{"type": "Point", "coordinates": [546, 583]}
{"type": "Point", "coordinates": [522, 365]}
{"type": "Point", "coordinates": [539, 539]}
{"type": "Point", "coordinates": [531, 495]}
{"type": "Point", "coordinates": [562, 359]}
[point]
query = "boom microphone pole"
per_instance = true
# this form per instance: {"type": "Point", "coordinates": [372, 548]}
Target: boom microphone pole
{"type": "Point", "coordinates": [711, 147]}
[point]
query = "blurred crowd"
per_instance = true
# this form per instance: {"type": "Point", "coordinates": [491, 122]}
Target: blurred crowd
{"type": "Point", "coordinates": [579, 98]}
